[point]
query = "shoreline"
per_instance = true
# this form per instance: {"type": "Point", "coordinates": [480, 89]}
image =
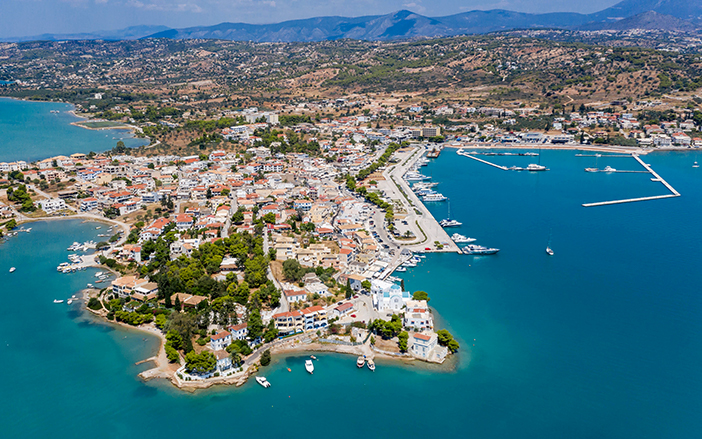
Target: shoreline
{"type": "Point", "coordinates": [566, 147]}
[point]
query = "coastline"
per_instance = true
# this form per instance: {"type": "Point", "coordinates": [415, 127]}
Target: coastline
{"type": "Point", "coordinates": [565, 147]}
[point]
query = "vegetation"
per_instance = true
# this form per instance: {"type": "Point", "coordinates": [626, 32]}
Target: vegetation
{"type": "Point", "coordinates": [204, 362]}
{"type": "Point", "coordinates": [266, 357]}
{"type": "Point", "coordinates": [420, 295]}
{"type": "Point", "coordinates": [446, 339]}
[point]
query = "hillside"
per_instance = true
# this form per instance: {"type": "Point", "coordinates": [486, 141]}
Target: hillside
{"type": "Point", "coordinates": [650, 20]}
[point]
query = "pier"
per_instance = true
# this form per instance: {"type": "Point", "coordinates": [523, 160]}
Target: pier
{"type": "Point", "coordinates": [656, 178]}
{"type": "Point", "coordinates": [464, 154]}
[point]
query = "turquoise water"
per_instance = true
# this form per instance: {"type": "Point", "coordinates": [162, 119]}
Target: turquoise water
{"type": "Point", "coordinates": [601, 340]}
{"type": "Point", "coordinates": [30, 131]}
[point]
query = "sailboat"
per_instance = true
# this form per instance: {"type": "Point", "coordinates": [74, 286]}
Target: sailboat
{"type": "Point", "coordinates": [448, 222]}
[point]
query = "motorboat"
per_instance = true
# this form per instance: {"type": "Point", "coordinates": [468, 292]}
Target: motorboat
{"type": "Point", "coordinates": [549, 251]}
{"type": "Point", "coordinates": [591, 170]}
{"type": "Point", "coordinates": [401, 269]}
{"type": "Point", "coordinates": [98, 274]}
{"type": "Point", "coordinates": [609, 169]}
{"type": "Point", "coordinates": [434, 197]}
{"type": "Point", "coordinates": [12, 270]}
{"type": "Point", "coordinates": [409, 264]}
{"type": "Point", "coordinates": [58, 301]}
{"type": "Point", "coordinates": [309, 367]}
{"type": "Point", "coordinates": [534, 167]}
{"type": "Point", "coordinates": [360, 361]}
{"type": "Point", "coordinates": [263, 381]}
{"type": "Point", "coordinates": [450, 223]}
{"type": "Point", "coordinates": [479, 250]}
{"type": "Point", "coordinates": [460, 239]}
{"type": "Point", "coordinates": [371, 365]}
{"type": "Point", "coordinates": [695, 165]}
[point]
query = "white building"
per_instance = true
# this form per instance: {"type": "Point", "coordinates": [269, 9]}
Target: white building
{"type": "Point", "coordinates": [421, 345]}
{"type": "Point", "coordinates": [418, 316]}
{"type": "Point", "coordinates": [51, 205]}
{"type": "Point", "coordinates": [388, 296]}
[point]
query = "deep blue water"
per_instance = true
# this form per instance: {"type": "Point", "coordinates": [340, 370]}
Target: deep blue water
{"type": "Point", "coordinates": [601, 340]}
{"type": "Point", "coordinates": [30, 131]}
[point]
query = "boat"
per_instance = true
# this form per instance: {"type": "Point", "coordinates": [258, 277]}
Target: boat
{"type": "Point", "coordinates": [263, 381]}
{"type": "Point", "coordinates": [58, 301]}
{"type": "Point", "coordinates": [360, 362]}
{"type": "Point", "coordinates": [371, 365]}
{"type": "Point", "coordinates": [450, 223]}
{"type": "Point", "coordinates": [434, 197]}
{"type": "Point", "coordinates": [695, 165]}
{"type": "Point", "coordinates": [313, 357]}
{"type": "Point", "coordinates": [409, 264]}
{"type": "Point", "coordinates": [98, 274]}
{"type": "Point", "coordinates": [98, 228]}
{"type": "Point", "coordinates": [609, 169]}
{"type": "Point", "coordinates": [591, 170]}
{"type": "Point", "coordinates": [309, 367]}
{"type": "Point", "coordinates": [534, 167]}
{"type": "Point", "coordinates": [90, 285]}
{"type": "Point", "coordinates": [401, 269]}
{"type": "Point", "coordinates": [69, 301]}
{"type": "Point", "coordinates": [479, 250]}
{"type": "Point", "coordinates": [549, 251]}
{"type": "Point", "coordinates": [460, 239]}
{"type": "Point", "coordinates": [12, 270]}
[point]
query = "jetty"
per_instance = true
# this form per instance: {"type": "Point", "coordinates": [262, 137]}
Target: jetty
{"type": "Point", "coordinates": [656, 178]}
{"type": "Point", "coordinates": [465, 154]}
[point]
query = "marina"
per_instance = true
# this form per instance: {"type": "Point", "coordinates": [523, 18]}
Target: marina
{"type": "Point", "coordinates": [656, 178]}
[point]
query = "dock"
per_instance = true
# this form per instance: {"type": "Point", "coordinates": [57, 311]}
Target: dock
{"type": "Point", "coordinates": [464, 154]}
{"type": "Point", "coordinates": [656, 178]}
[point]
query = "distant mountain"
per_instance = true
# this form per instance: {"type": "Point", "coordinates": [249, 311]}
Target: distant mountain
{"type": "Point", "coordinates": [129, 33]}
{"type": "Point", "coordinates": [650, 20]}
{"type": "Point", "coordinates": [627, 14]}
{"type": "Point", "coordinates": [682, 9]}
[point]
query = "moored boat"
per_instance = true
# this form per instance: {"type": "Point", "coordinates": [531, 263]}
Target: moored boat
{"type": "Point", "coordinates": [360, 361]}
{"type": "Point", "coordinates": [549, 251]}
{"type": "Point", "coordinates": [460, 239]}
{"type": "Point", "coordinates": [58, 300]}
{"type": "Point", "coordinates": [309, 367]}
{"type": "Point", "coordinates": [479, 250]}
{"type": "Point", "coordinates": [12, 270]}
{"type": "Point", "coordinates": [371, 365]}
{"type": "Point", "coordinates": [263, 381]}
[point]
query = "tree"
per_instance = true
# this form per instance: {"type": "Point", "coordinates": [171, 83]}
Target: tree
{"type": "Point", "coordinates": [201, 363]}
{"type": "Point", "coordinates": [174, 339]}
{"type": "Point", "coordinates": [255, 324]}
{"type": "Point", "coordinates": [366, 285]}
{"type": "Point", "coordinates": [420, 295]}
{"type": "Point", "coordinates": [269, 218]}
{"type": "Point", "coordinates": [94, 304]}
{"type": "Point", "coordinates": [446, 339]}
{"type": "Point", "coordinates": [402, 341]}
{"type": "Point", "coordinates": [185, 325]}
{"type": "Point", "coordinates": [307, 227]}
{"type": "Point", "coordinates": [292, 270]}
{"type": "Point", "coordinates": [266, 357]}
{"type": "Point", "coordinates": [348, 290]}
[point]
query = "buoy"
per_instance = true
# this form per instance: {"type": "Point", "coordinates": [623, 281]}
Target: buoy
{"type": "Point", "coordinates": [289, 370]}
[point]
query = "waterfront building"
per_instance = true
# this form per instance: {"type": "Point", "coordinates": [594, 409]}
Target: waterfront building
{"type": "Point", "coordinates": [418, 316]}
{"type": "Point", "coordinates": [388, 296]}
{"type": "Point", "coordinates": [289, 322]}
{"type": "Point", "coordinates": [422, 344]}
{"type": "Point", "coordinates": [220, 340]}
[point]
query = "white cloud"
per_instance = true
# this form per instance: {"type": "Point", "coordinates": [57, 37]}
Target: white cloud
{"type": "Point", "coordinates": [165, 6]}
{"type": "Point", "coordinates": [417, 7]}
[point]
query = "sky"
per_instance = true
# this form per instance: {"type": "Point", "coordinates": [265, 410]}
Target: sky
{"type": "Point", "coordinates": [20, 18]}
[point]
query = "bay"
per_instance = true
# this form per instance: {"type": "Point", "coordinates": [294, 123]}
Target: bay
{"type": "Point", "coordinates": [30, 131]}
{"type": "Point", "coordinates": [604, 339]}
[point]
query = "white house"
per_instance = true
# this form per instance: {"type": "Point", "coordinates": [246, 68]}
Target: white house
{"type": "Point", "coordinates": [224, 360]}
{"type": "Point", "coordinates": [422, 344]}
{"type": "Point", "coordinates": [343, 309]}
{"type": "Point", "coordinates": [388, 296]}
{"type": "Point", "coordinates": [51, 205]}
{"type": "Point", "coordinates": [418, 316]}
{"type": "Point", "coordinates": [220, 340]}
{"type": "Point", "coordinates": [295, 296]}
{"type": "Point", "coordinates": [239, 332]}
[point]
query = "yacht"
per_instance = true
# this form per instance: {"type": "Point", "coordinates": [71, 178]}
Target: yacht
{"type": "Point", "coordinates": [401, 269]}
{"type": "Point", "coordinates": [12, 270]}
{"type": "Point", "coordinates": [415, 176]}
{"type": "Point", "coordinates": [479, 250]}
{"type": "Point", "coordinates": [460, 239]}
{"type": "Point", "coordinates": [609, 169]}
{"type": "Point", "coordinates": [58, 301]}
{"type": "Point", "coordinates": [450, 223]}
{"type": "Point", "coordinates": [360, 362]}
{"type": "Point", "coordinates": [263, 381]}
{"type": "Point", "coordinates": [434, 197]}
{"type": "Point", "coordinates": [98, 274]}
{"type": "Point", "coordinates": [409, 264]}
{"type": "Point", "coordinates": [309, 367]}
{"type": "Point", "coordinates": [695, 165]}
{"type": "Point", "coordinates": [535, 167]}
{"type": "Point", "coordinates": [371, 365]}
{"type": "Point", "coordinates": [549, 251]}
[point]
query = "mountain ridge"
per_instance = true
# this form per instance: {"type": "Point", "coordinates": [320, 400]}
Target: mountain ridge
{"type": "Point", "coordinates": [675, 15]}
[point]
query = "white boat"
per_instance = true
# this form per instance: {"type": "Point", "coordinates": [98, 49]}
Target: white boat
{"type": "Point", "coordinates": [479, 250]}
{"type": "Point", "coordinates": [460, 239]}
{"type": "Point", "coordinates": [12, 270]}
{"type": "Point", "coordinates": [69, 301]}
{"type": "Point", "coordinates": [609, 169]}
{"type": "Point", "coordinates": [371, 365]}
{"type": "Point", "coordinates": [360, 362]}
{"type": "Point", "coordinates": [535, 167]}
{"type": "Point", "coordinates": [98, 274]}
{"type": "Point", "coordinates": [549, 251]}
{"type": "Point", "coordinates": [309, 367]}
{"type": "Point", "coordinates": [694, 165]}
{"type": "Point", "coordinates": [263, 381]}
{"type": "Point", "coordinates": [592, 170]}
{"type": "Point", "coordinates": [409, 264]}
{"type": "Point", "coordinates": [58, 301]}
{"type": "Point", "coordinates": [434, 197]}
{"type": "Point", "coordinates": [401, 269]}
{"type": "Point", "coordinates": [450, 223]}
{"type": "Point", "coordinates": [98, 228]}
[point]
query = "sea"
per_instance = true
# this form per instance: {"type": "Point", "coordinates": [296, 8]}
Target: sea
{"type": "Point", "coordinates": [30, 131]}
{"type": "Point", "coordinates": [603, 339]}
